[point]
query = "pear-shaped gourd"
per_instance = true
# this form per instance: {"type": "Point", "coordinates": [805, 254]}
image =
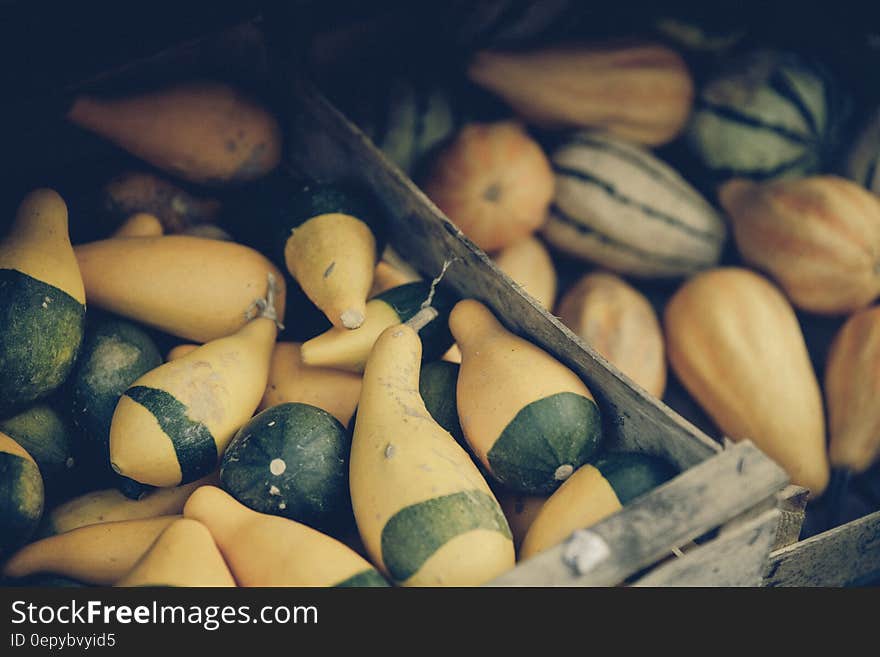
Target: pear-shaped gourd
{"type": "Point", "coordinates": [266, 550]}
{"type": "Point", "coordinates": [97, 554]}
{"type": "Point", "coordinates": [42, 302]}
{"type": "Point", "coordinates": [203, 132]}
{"type": "Point", "coordinates": [735, 343]}
{"type": "Point", "coordinates": [530, 419]}
{"type": "Point", "coordinates": [184, 554]}
{"type": "Point", "coordinates": [425, 513]}
{"type": "Point", "coordinates": [529, 264]}
{"type": "Point", "coordinates": [173, 423]}
{"type": "Point", "coordinates": [819, 237]}
{"type": "Point", "coordinates": [196, 288]}
{"type": "Point", "coordinates": [852, 393]}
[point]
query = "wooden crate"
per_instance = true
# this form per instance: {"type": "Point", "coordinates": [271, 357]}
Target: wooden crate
{"type": "Point", "coordinates": [712, 525]}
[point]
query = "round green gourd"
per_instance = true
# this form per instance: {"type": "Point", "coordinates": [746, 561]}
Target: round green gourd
{"type": "Point", "coordinates": [291, 460]}
{"type": "Point", "coordinates": [21, 495]}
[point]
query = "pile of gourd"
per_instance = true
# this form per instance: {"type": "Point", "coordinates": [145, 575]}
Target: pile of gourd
{"type": "Point", "coordinates": [737, 205]}
{"type": "Point", "coordinates": [243, 457]}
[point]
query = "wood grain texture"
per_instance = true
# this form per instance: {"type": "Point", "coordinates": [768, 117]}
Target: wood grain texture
{"type": "Point", "coordinates": [793, 508]}
{"type": "Point", "coordinates": [736, 558]}
{"type": "Point", "coordinates": [649, 527]}
{"type": "Point", "coordinates": [842, 556]}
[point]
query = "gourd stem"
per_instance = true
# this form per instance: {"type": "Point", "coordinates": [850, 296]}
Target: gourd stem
{"type": "Point", "coordinates": [265, 308]}
{"type": "Point", "coordinates": [422, 318]}
{"type": "Point", "coordinates": [837, 490]}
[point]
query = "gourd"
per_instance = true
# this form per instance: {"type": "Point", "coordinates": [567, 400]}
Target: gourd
{"type": "Point", "coordinates": [639, 91]}
{"type": "Point", "coordinates": [520, 511]}
{"type": "Point", "coordinates": [135, 192]}
{"type": "Point", "coordinates": [618, 206]}
{"type": "Point", "coordinates": [594, 492]}
{"type": "Point", "coordinates": [203, 132]}
{"type": "Point", "coordinates": [852, 389]}
{"type": "Point", "coordinates": [191, 287]}
{"type": "Point", "coordinates": [97, 554]}
{"type": "Point", "coordinates": [291, 380]}
{"type": "Point", "coordinates": [266, 550]}
{"type": "Point", "coordinates": [493, 181]}
{"type": "Point", "coordinates": [438, 381]}
{"type": "Point", "coordinates": [766, 114]}
{"type": "Point", "coordinates": [426, 515]}
{"type": "Point", "coordinates": [529, 419]}
{"type": "Point", "coordinates": [348, 350]}
{"type": "Point", "coordinates": [140, 224]}
{"type": "Point", "coordinates": [528, 263]}
{"type": "Point", "coordinates": [618, 321]}
{"type": "Point", "coordinates": [862, 162]}
{"type": "Point", "coordinates": [21, 495]}
{"type": "Point", "coordinates": [734, 342]}
{"type": "Point", "coordinates": [291, 460]}
{"type": "Point", "coordinates": [42, 302]}
{"type": "Point", "coordinates": [172, 424]}
{"type": "Point", "coordinates": [818, 237]}
{"type": "Point", "coordinates": [388, 276]}
{"type": "Point", "coordinates": [184, 554]}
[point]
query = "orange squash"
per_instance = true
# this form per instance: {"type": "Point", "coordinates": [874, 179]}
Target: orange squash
{"type": "Point", "coordinates": [494, 182]}
{"type": "Point", "coordinates": [819, 237]}
{"type": "Point", "coordinates": [529, 264]}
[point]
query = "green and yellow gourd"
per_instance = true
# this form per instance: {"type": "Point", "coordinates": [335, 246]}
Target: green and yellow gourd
{"type": "Point", "coordinates": [530, 419]}
{"type": "Point", "coordinates": [172, 424]}
{"type": "Point", "coordinates": [184, 554]}
{"type": "Point", "coordinates": [267, 550]}
{"type": "Point", "coordinates": [520, 511]}
{"type": "Point", "coordinates": [767, 114]}
{"type": "Point", "coordinates": [618, 206]}
{"type": "Point", "coordinates": [21, 495]}
{"type": "Point", "coordinates": [594, 492]}
{"type": "Point", "coordinates": [348, 350]}
{"type": "Point", "coordinates": [862, 162]}
{"type": "Point", "coordinates": [42, 302]}
{"type": "Point", "coordinates": [425, 513]}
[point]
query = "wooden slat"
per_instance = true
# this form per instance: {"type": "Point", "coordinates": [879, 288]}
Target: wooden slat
{"type": "Point", "coordinates": [647, 529]}
{"type": "Point", "coordinates": [735, 558]}
{"type": "Point", "coordinates": [326, 145]}
{"type": "Point", "coordinates": [793, 506]}
{"type": "Point", "coordinates": [839, 557]}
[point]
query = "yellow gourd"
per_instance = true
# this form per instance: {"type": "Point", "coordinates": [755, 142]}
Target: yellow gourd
{"type": "Point", "coordinates": [735, 343]}
{"type": "Point", "coordinates": [266, 550]}
{"type": "Point", "coordinates": [520, 511]}
{"type": "Point", "coordinates": [184, 554]}
{"type": "Point", "coordinates": [97, 554]}
{"type": "Point", "coordinates": [198, 289]}
{"type": "Point", "coordinates": [173, 423]}
{"type": "Point", "coordinates": [141, 224]}
{"type": "Point", "coordinates": [424, 511]}
{"type": "Point", "coordinates": [529, 264]}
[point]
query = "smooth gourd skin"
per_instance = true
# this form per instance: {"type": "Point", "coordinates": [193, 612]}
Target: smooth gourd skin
{"type": "Point", "coordinates": [140, 224]}
{"type": "Point", "coordinates": [520, 511]}
{"type": "Point", "coordinates": [819, 237]}
{"type": "Point", "coordinates": [184, 554]}
{"type": "Point", "coordinates": [734, 341]}
{"type": "Point", "coordinates": [291, 460]}
{"type": "Point", "coordinates": [291, 380]}
{"type": "Point", "coordinates": [438, 381]}
{"type": "Point", "coordinates": [203, 132]}
{"type": "Point", "coordinates": [349, 350]}
{"type": "Point", "coordinates": [618, 321]}
{"type": "Point", "coordinates": [195, 288]}
{"type": "Point", "coordinates": [425, 513]}
{"type": "Point", "coordinates": [266, 550]}
{"type": "Point", "coordinates": [529, 264]}
{"type": "Point", "coordinates": [42, 302]}
{"type": "Point", "coordinates": [529, 419]}
{"type": "Point", "coordinates": [592, 493]}
{"type": "Point", "coordinates": [173, 423]}
{"type": "Point", "coordinates": [21, 495]}
{"type": "Point", "coordinates": [852, 392]}
{"type": "Point", "coordinates": [97, 554]}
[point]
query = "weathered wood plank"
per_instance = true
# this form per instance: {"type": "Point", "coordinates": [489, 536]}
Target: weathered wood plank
{"type": "Point", "coordinates": [793, 506]}
{"type": "Point", "coordinates": [735, 558]}
{"type": "Point", "coordinates": [324, 144]}
{"type": "Point", "coordinates": [647, 529]}
{"type": "Point", "coordinates": [839, 557]}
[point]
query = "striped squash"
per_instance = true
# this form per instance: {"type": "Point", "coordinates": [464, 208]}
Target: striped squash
{"type": "Point", "coordinates": [768, 114]}
{"type": "Point", "coordinates": [507, 23]}
{"type": "Point", "coordinates": [863, 159]}
{"type": "Point", "coordinates": [618, 206]}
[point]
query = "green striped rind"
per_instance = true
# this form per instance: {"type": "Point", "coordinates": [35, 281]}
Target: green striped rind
{"type": "Point", "coordinates": [193, 443]}
{"type": "Point", "coordinates": [21, 500]}
{"type": "Point", "coordinates": [406, 300]}
{"type": "Point", "coordinates": [562, 429]}
{"type": "Point", "coordinates": [416, 532]}
{"type": "Point", "coordinates": [370, 578]}
{"type": "Point", "coordinates": [41, 330]}
{"type": "Point", "coordinates": [632, 475]}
